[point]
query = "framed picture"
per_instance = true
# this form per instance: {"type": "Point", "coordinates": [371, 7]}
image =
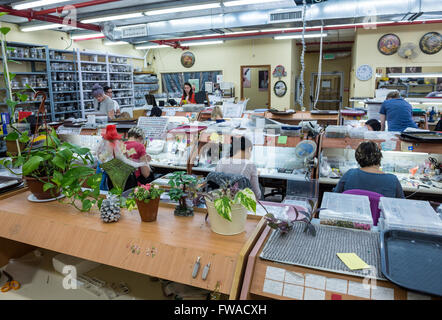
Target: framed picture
{"type": "Point", "coordinates": [431, 43]}
{"type": "Point", "coordinates": [280, 88]}
{"type": "Point", "coordinates": [195, 84]}
{"type": "Point", "coordinates": [413, 69]}
{"type": "Point", "coordinates": [187, 59]}
{"type": "Point", "coordinates": [263, 80]}
{"type": "Point", "coordinates": [394, 70]}
{"type": "Point", "coordinates": [247, 78]}
{"type": "Point", "coordinates": [389, 44]}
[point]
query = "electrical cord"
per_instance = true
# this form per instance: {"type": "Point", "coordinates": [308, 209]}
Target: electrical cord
{"type": "Point", "coordinates": [318, 82]}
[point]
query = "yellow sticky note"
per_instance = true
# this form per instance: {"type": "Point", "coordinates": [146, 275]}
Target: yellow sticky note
{"type": "Point", "coordinates": [353, 261]}
{"type": "Point", "coordinates": [214, 137]}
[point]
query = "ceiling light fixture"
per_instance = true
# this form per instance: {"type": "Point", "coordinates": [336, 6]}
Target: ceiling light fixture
{"type": "Point", "coordinates": [150, 46]}
{"type": "Point", "coordinates": [182, 9]}
{"type": "Point", "coordinates": [200, 43]}
{"type": "Point", "coordinates": [299, 36]}
{"type": "Point", "coordinates": [114, 43]}
{"type": "Point", "coordinates": [35, 4]}
{"type": "Point", "coordinates": [415, 75]}
{"type": "Point", "coordinates": [47, 26]}
{"type": "Point", "coordinates": [112, 18]}
{"type": "Point", "coordinates": [87, 36]}
{"type": "Point", "coordinates": [246, 2]}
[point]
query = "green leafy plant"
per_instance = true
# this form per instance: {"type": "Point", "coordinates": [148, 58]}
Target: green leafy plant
{"type": "Point", "coordinates": [225, 197]}
{"type": "Point", "coordinates": [285, 225]}
{"type": "Point", "coordinates": [143, 193]}
{"type": "Point", "coordinates": [182, 187]}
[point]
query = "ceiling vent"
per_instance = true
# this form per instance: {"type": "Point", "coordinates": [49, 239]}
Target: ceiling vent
{"type": "Point", "coordinates": [134, 31]}
{"type": "Point", "coordinates": [285, 16]}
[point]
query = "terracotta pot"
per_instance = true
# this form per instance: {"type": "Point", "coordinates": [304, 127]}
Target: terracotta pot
{"type": "Point", "coordinates": [148, 211]}
{"type": "Point", "coordinates": [36, 188]}
{"type": "Point", "coordinates": [12, 147]}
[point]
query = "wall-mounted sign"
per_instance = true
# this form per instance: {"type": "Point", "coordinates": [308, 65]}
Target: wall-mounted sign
{"type": "Point", "coordinates": [187, 59]}
{"type": "Point", "coordinates": [279, 71]}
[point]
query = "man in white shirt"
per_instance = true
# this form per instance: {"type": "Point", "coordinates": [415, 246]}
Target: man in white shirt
{"type": "Point", "coordinates": [108, 91]}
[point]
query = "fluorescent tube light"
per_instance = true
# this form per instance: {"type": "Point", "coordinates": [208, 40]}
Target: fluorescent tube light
{"type": "Point", "coordinates": [241, 32]}
{"type": "Point", "coordinates": [85, 36]}
{"type": "Point", "coordinates": [114, 43]}
{"type": "Point", "coordinates": [42, 27]}
{"type": "Point", "coordinates": [35, 4]}
{"type": "Point", "coordinates": [182, 9]}
{"type": "Point", "coordinates": [299, 36]}
{"type": "Point", "coordinates": [116, 17]}
{"type": "Point", "coordinates": [201, 43]}
{"type": "Point", "coordinates": [246, 2]}
{"type": "Point", "coordinates": [150, 46]}
{"type": "Point", "coordinates": [415, 75]}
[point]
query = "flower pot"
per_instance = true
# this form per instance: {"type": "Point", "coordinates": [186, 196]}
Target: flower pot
{"type": "Point", "coordinates": [225, 227]}
{"type": "Point", "coordinates": [11, 146]}
{"type": "Point", "coordinates": [148, 211]}
{"type": "Point", "coordinates": [36, 187]}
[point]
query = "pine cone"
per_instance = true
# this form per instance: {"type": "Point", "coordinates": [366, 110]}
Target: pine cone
{"type": "Point", "coordinates": [110, 209]}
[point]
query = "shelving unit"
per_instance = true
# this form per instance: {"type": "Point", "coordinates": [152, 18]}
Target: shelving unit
{"type": "Point", "coordinates": [143, 88]}
{"type": "Point", "coordinates": [64, 78]}
{"type": "Point", "coordinates": [122, 79]}
{"type": "Point", "coordinates": [411, 90]}
{"type": "Point", "coordinates": [33, 70]}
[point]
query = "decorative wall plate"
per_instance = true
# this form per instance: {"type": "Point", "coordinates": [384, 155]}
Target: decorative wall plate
{"type": "Point", "coordinates": [280, 88]}
{"type": "Point", "coordinates": [389, 44]}
{"type": "Point", "coordinates": [364, 72]}
{"type": "Point", "coordinates": [187, 59]}
{"type": "Point", "coordinates": [431, 43]}
{"type": "Point", "coordinates": [279, 71]}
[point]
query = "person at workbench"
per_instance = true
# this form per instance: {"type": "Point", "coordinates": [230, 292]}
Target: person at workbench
{"type": "Point", "coordinates": [188, 95]}
{"type": "Point", "coordinates": [109, 92]}
{"type": "Point", "coordinates": [103, 103]}
{"type": "Point", "coordinates": [397, 112]}
{"type": "Point", "coordinates": [373, 125]}
{"type": "Point", "coordinates": [369, 176]}
{"type": "Point", "coordinates": [136, 151]}
{"type": "Point", "coordinates": [239, 163]}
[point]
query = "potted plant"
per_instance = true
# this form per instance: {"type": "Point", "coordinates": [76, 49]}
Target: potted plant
{"type": "Point", "coordinates": [285, 223]}
{"type": "Point", "coordinates": [146, 198]}
{"type": "Point", "coordinates": [182, 188]}
{"type": "Point", "coordinates": [227, 208]}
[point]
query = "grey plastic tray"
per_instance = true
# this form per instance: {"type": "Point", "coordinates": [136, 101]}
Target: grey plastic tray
{"type": "Point", "coordinates": [412, 260]}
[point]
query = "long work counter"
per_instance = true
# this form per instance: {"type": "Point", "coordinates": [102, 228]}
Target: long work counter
{"type": "Point", "coordinates": [167, 248]}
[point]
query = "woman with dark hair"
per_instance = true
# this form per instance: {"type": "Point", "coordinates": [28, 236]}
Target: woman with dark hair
{"type": "Point", "coordinates": [373, 125]}
{"type": "Point", "coordinates": [369, 176]}
{"type": "Point", "coordinates": [239, 162]}
{"type": "Point", "coordinates": [188, 95]}
{"type": "Point", "coordinates": [102, 103]}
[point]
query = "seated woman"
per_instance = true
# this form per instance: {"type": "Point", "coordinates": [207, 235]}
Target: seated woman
{"type": "Point", "coordinates": [238, 163]}
{"type": "Point", "coordinates": [373, 125]}
{"type": "Point", "coordinates": [136, 151]}
{"type": "Point", "coordinates": [188, 95]}
{"type": "Point", "coordinates": [369, 177]}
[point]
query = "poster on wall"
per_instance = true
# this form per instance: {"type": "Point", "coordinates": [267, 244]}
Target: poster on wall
{"type": "Point", "coordinates": [394, 70]}
{"type": "Point", "coordinates": [263, 80]}
{"type": "Point", "coordinates": [413, 69]}
{"type": "Point", "coordinates": [195, 84]}
{"type": "Point", "coordinates": [246, 78]}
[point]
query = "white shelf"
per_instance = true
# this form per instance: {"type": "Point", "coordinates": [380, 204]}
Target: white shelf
{"type": "Point", "coordinates": [91, 62]}
{"type": "Point", "coordinates": [93, 71]}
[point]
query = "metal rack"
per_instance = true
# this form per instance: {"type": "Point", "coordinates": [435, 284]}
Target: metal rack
{"type": "Point", "coordinates": [30, 56]}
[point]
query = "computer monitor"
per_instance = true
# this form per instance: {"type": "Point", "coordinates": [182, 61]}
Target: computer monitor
{"type": "Point", "coordinates": [150, 100]}
{"type": "Point", "coordinates": [200, 97]}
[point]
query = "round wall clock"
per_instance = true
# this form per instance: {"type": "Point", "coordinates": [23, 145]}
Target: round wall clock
{"type": "Point", "coordinates": [389, 44]}
{"type": "Point", "coordinates": [364, 72]}
{"type": "Point", "coordinates": [187, 59]}
{"type": "Point", "coordinates": [280, 88]}
{"type": "Point", "coordinates": [431, 43]}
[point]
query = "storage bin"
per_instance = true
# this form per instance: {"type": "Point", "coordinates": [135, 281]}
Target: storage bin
{"type": "Point", "coordinates": [336, 132]}
{"type": "Point", "coordinates": [346, 210]}
{"type": "Point", "coordinates": [291, 131]}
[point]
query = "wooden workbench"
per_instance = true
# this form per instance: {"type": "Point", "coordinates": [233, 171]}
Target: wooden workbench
{"type": "Point", "coordinates": [296, 118]}
{"type": "Point", "coordinates": [175, 242]}
{"type": "Point", "coordinates": [289, 282]}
